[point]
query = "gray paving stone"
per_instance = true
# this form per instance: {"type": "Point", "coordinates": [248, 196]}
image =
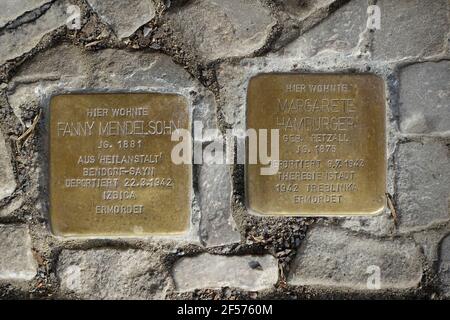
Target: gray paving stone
{"type": "Point", "coordinates": [11, 9]}
{"type": "Point", "coordinates": [411, 28]}
{"type": "Point", "coordinates": [379, 225]}
{"type": "Point", "coordinates": [111, 274]}
{"type": "Point", "coordinates": [444, 266]}
{"type": "Point", "coordinates": [232, 95]}
{"type": "Point", "coordinates": [7, 179]}
{"type": "Point", "coordinates": [16, 259]}
{"type": "Point", "coordinates": [68, 68]}
{"type": "Point", "coordinates": [430, 240]}
{"type": "Point", "coordinates": [124, 17]}
{"type": "Point", "coordinates": [339, 32]}
{"type": "Point", "coordinates": [425, 98]}
{"type": "Point", "coordinates": [9, 209]}
{"type": "Point", "coordinates": [423, 184]}
{"type": "Point", "coordinates": [16, 42]}
{"type": "Point", "coordinates": [63, 67]}
{"type": "Point", "coordinates": [303, 9]}
{"type": "Point", "coordinates": [334, 258]}
{"type": "Point", "coordinates": [220, 29]}
{"type": "Point", "coordinates": [217, 226]}
{"type": "Point", "coordinates": [215, 272]}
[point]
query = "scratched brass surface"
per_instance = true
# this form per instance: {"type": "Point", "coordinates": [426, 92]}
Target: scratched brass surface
{"type": "Point", "coordinates": [332, 144]}
{"type": "Point", "coordinates": [111, 172]}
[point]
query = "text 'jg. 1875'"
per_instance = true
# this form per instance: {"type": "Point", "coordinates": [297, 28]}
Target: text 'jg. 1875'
{"type": "Point", "coordinates": [332, 148]}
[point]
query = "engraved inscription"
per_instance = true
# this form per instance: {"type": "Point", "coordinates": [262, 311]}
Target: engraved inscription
{"type": "Point", "coordinates": [110, 166]}
{"type": "Point", "coordinates": [332, 144]}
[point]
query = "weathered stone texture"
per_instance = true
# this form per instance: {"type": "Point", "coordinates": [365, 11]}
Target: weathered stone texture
{"type": "Point", "coordinates": [444, 267]}
{"type": "Point", "coordinates": [411, 28]}
{"type": "Point", "coordinates": [425, 98]}
{"type": "Point", "coordinates": [339, 32]}
{"type": "Point", "coordinates": [24, 38]}
{"type": "Point", "coordinates": [9, 209]}
{"type": "Point", "coordinates": [429, 240]}
{"type": "Point", "coordinates": [16, 258]}
{"type": "Point", "coordinates": [205, 110]}
{"type": "Point", "coordinates": [68, 68]}
{"type": "Point", "coordinates": [331, 257]}
{"type": "Point", "coordinates": [115, 69]}
{"type": "Point", "coordinates": [111, 274]}
{"type": "Point", "coordinates": [219, 29]}
{"type": "Point", "coordinates": [423, 184]}
{"type": "Point", "coordinates": [304, 9]}
{"type": "Point", "coordinates": [202, 35]}
{"type": "Point", "coordinates": [379, 225]}
{"type": "Point", "coordinates": [213, 271]}
{"type": "Point", "coordinates": [217, 226]}
{"type": "Point", "coordinates": [12, 9]}
{"type": "Point", "coordinates": [7, 179]}
{"type": "Point", "coordinates": [60, 68]}
{"type": "Point", "coordinates": [124, 17]}
{"type": "Point", "coordinates": [231, 81]}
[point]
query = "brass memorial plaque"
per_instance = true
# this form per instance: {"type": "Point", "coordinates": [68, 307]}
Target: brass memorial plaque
{"type": "Point", "coordinates": [110, 165]}
{"type": "Point", "coordinates": [332, 148]}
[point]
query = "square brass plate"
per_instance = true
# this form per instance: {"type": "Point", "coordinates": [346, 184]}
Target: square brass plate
{"type": "Point", "coordinates": [332, 154]}
{"type": "Point", "coordinates": [110, 165]}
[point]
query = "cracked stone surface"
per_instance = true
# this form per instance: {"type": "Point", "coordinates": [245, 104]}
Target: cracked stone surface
{"type": "Point", "coordinates": [231, 81]}
{"type": "Point", "coordinates": [401, 36]}
{"type": "Point", "coordinates": [331, 257]}
{"type": "Point", "coordinates": [430, 240]}
{"type": "Point", "coordinates": [124, 17]}
{"type": "Point", "coordinates": [16, 259]}
{"type": "Point", "coordinates": [190, 273]}
{"type": "Point", "coordinates": [220, 29]}
{"type": "Point", "coordinates": [115, 69]}
{"type": "Point", "coordinates": [303, 9]}
{"type": "Point", "coordinates": [337, 33]}
{"type": "Point", "coordinates": [379, 225]}
{"type": "Point", "coordinates": [423, 184]}
{"type": "Point", "coordinates": [11, 9]}
{"type": "Point", "coordinates": [9, 209]}
{"type": "Point", "coordinates": [16, 42]}
{"type": "Point", "coordinates": [205, 110]}
{"type": "Point", "coordinates": [111, 274]}
{"type": "Point", "coordinates": [60, 68]}
{"type": "Point", "coordinates": [444, 266]}
{"type": "Point", "coordinates": [217, 226]}
{"type": "Point", "coordinates": [7, 181]}
{"type": "Point", "coordinates": [424, 98]}
{"type": "Point", "coordinates": [68, 68]}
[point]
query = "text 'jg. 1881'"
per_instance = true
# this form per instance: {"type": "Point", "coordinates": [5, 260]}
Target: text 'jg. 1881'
{"type": "Point", "coordinates": [110, 165]}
